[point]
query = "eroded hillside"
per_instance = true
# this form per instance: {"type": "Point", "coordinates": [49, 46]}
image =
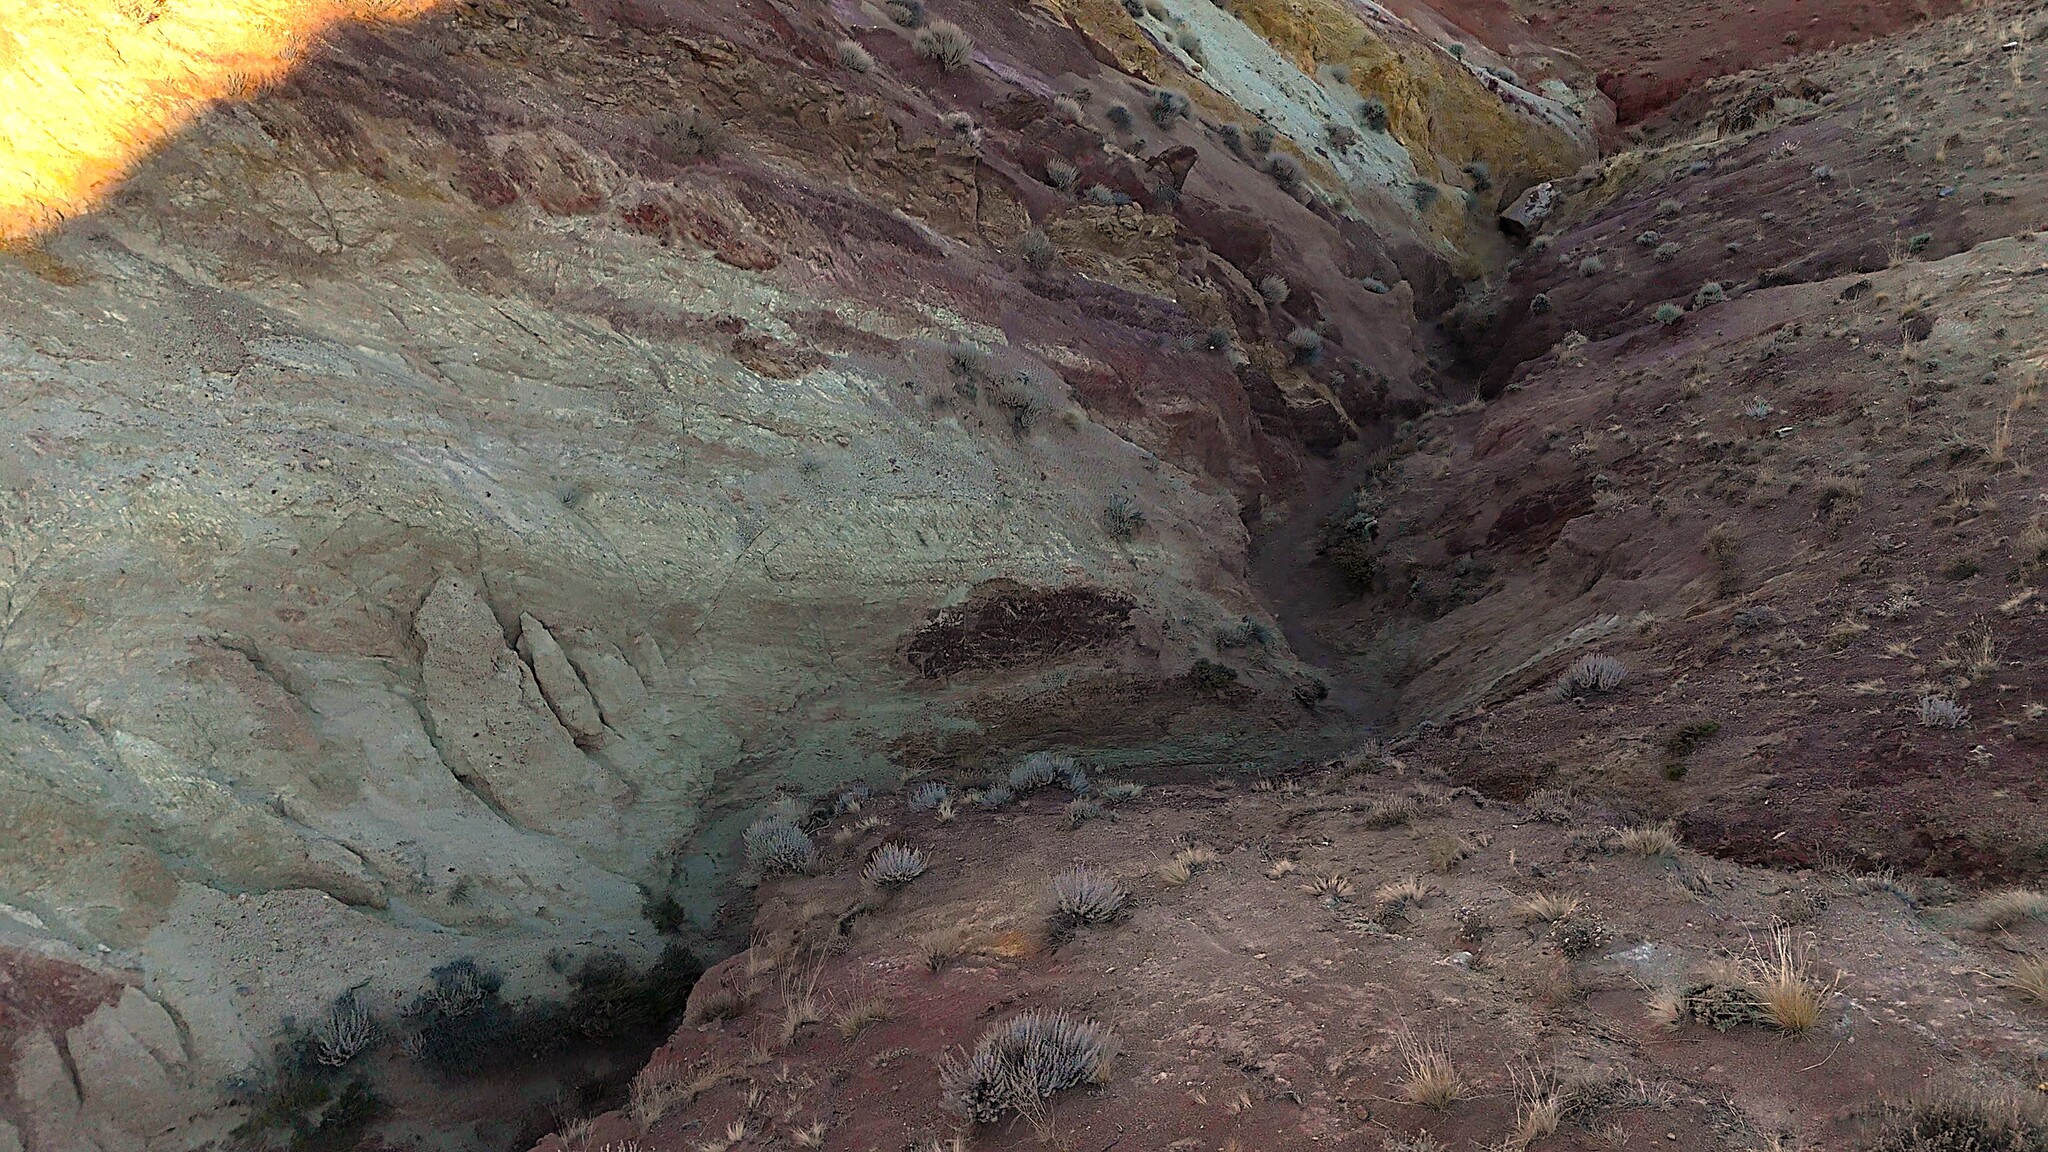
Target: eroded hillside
{"type": "Point", "coordinates": [462, 483]}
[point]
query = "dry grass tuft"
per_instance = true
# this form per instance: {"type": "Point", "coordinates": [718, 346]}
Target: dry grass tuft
{"type": "Point", "coordinates": [857, 1016]}
{"type": "Point", "coordinates": [1540, 1106]}
{"type": "Point", "coordinates": [1186, 862]}
{"type": "Point", "coordinates": [2010, 908]}
{"type": "Point", "coordinates": [941, 949]}
{"type": "Point", "coordinates": [2030, 977]}
{"type": "Point", "coordinates": [811, 1135]}
{"type": "Point", "coordinates": [1331, 888]}
{"type": "Point", "coordinates": [1791, 995]}
{"type": "Point", "coordinates": [1280, 867]}
{"type": "Point", "coordinates": [1649, 840]}
{"type": "Point", "coordinates": [1550, 907]}
{"type": "Point", "coordinates": [1428, 1076]}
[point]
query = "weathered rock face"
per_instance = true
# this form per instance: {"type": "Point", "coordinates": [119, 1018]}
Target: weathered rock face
{"type": "Point", "coordinates": [460, 488]}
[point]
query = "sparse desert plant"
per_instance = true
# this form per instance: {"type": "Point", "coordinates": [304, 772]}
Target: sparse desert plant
{"type": "Point", "coordinates": [2008, 909]}
{"type": "Point", "coordinates": [1285, 170]}
{"type": "Point", "coordinates": [1040, 770]}
{"type": "Point", "coordinates": [1082, 895]}
{"type": "Point", "coordinates": [1262, 137]}
{"type": "Point", "coordinates": [1306, 344]}
{"type": "Point", "coordinates": [1022, 1062]}
{"type": "Point", "coordinates": [990, 799]}
{"type": "Point", "coordinates": [861, 1014]}
{"type": "Point", "coordinates": [1186, 862]}
{"type": "Point", "coordinates": [1396, 897]}
{"type": "Point", "coordinates": [1649, 840]}
{"type": "Point", "coordinates": [1188, 42]}
{"type": "Point", "coordinates": [1372, 112]}
{"type": "Point", "coordinates": [690, 134]}
{"type": "Point", "coordinates": [1281, 867]}
{"type": "Point", "coordinates": [1120, 117]}
{"type": "Point", "coordinates": [1428, 1076]}
{"type": "Point", "coordinates": [1668, 314]}
{"type": "Point", "coordinates": [927, 796]}
{"type": "Point", "coordinates": [1390, 812]}
{"type": "Point", "coordinates": [1539, 304]}
{"type": "Point", "coordinates": [1941, 712]}
{"type": "Point", "coordinates": [1791, 996]}
{"type": "Point", "coordinates": [1540, 1105]}
{"type": "Point", "coordinates": [854, 57]}
{"type": "Point", "coordinates": [1340, 136]}
{"type": "Point", "coordinates": [907, 13]}
{"type": "Point", "coordinates": [1666, 252]}
{"type": "Point", "coordinates": [943, 43]}
{"type": "Point", "coordinates": [660, 1088]}
{"type": "Point", "coordinates": [774, 844]}
{"type": "Point", "coordinates": [1167, 106]}
{"type": "Point", "coordinates": [1962, 1123]}
{"type": "Point", "coordinates": [1577, 934]}
{"type": "Point", "coordinates": [1121, 517]}
{"type": "Point", "coordinates": [1274, 289]}
{"type": "Point", "coordinates": [1035, 249]}
{"type": "Point", "coordinates": [1061, 173]}
{"type": "Point", "coordinates": [1330, 889]}
{"type": "Point", "coordinates": [1592, 266]}
{"type": "Point", "coordinates": [1244, 633]}
{"type": "Point", "coordinates": [893, 864]}
{"type": "Point", "coordinates": [1550, 907]}
{"type": "Point", "coordinates": [958, 123]}
{"type": "Point", "coordinates": [1068, 109]}
{"type": "Point", "coordinates": [940, 949]}
{"type": "Point", "coordinates": [851, 800]}
{"type": "Point", "coordinates": [343, 1031]}
{"type": "Point", "coordinates": [2029, 977]}
{"type": "Point", "coordinates": [1104, 195]}
{"type": "Point", "coordinates": [1709, 294]}
{"type": "Point", "coordinates": [1649, 238]}
{"type": "Point", "coordinates": [1079, 811]}
{"type": "Point", "coordinates": [811, 1135]}
{"type": "Point", "coordinates": [1591, 674]}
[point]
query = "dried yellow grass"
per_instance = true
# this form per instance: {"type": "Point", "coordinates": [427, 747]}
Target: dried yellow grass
{"type": "Point", "coordinates": [1793, 997]}
{"type": "Point", "coordinates": [1428, 1076]}
{"type": "Point", "coordinates": [1550, 907]}
{"type": "Point", "coordinates": [1649, 840]}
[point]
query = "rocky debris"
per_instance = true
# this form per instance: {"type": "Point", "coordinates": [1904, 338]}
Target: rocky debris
{"type": "Point", "coordinates": [1525, 217]}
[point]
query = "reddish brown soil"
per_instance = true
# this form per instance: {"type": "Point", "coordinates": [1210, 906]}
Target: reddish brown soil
{"type": "Point", "coordinates": [1253, 1014]}
{"type": "Point", "coordinates": [1648, 53]}
{"type": "Point", "coordinates": [38, 993]}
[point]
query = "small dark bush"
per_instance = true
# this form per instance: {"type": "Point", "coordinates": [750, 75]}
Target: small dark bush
{"type": "Point", "coordinates": [691, 134]}
{"type": "Point", "coordinates": [1168, 106]}
{"type": "Point", "coordinates": [927, 796]}
{"type": "Point", "coordinates": [1120, 117]}
{"type": "Point", "coordinates": [1306, 345]}
{"type": "Point", "coordinates": [775, 844]}
{"type": "Point", "coordinates": [1207, 676]}
{"type": "Point", "coordinates": [1035, 249]}
{"type": "Point", "coordinates": [1372, 112]}
{"type": "Point", "coordinates": [1962, 1124]}
{"type": "Point", "coordinates": [1263, 137]}
{"type": "Point", "coordinates": [1687, 739]}
{"type": "Point", "coordinates": [908, 13]}
{"type": "Point", "coordinates": [1122, 518]}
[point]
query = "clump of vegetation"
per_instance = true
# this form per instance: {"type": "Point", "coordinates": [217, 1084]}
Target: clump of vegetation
{"type": "Point", "coordinates": [1120, 117]}
{"type": "Point", "coordinates": [2008, 909]}
{"type": "Point", "coordinates": [691, 134]}
{"type": "Point", "coordinates": [1941, 712]}
{"type": "Point", "coordinates": [854, 57]}
{"type": "Point", "coordinates": [343, 1032]}
{"type": "Point", "coordinates": [1592, 266]}
{"type": "Point", "coordinates": [1539, 304]}
{"type": "Point", "coordinates": [1423, 195]}
{"type": "Point", "coordinates": [1263, 137]}
{"type": "Point", "coordinates": [1217, 340]}
{"type": "Point", "coordinates": [1019, 1064]}
{"type": "Point", "coordinates": [1550, 907]}
{"type": "Point", "coordinates": [943, 43]}
{"type": "Point", "coordinates": [775, 844]}
{"type": "Point", "coordinates": [1962, 1124]}
{"type": "Point", "coordinates": [1068, 109]}
{"type": "Point", "coordinates": [1168, 105]}
{"type": "Point", "coordinates": [1709, 294]}
{"type": "Point", "coordinates": [994, 798]}
{"type": "Point", "coordinates": [927, 797]}
{"type": "Point", "coordinates": [893, 864]}
{"type": "Point", "coordinates": [1649, 840]}
{"type": "Point", "coordinates": [1186, 862]}
{"type": "Point", "coordinates": [1341, 136]}
{"type": "Point", "coordinates": [907, 13]}
{"type": "Point", "coordinates": [1035, 249]}
{"type": "Point", "coordinates": [1666, 252]}
{"type": "Point", "coordinates": [1121, 517]}
{"type": "Point", "coordinates": [1428, 1076]}
{"type": "Point", "coordinates": [1791, 996]}
{"type": "Point", "coordinates": [1649, 238]}
{"type": "Point", "coordinates": [1188, 42]}
{"type": "Point", "coordinates": [1668, 314]}
{"type": "Point", "coordinates": [851, 800]}
{"type": "Point", "coordinates": [1592, 674]}
{"type": "Point", "coordinates": [1209, 677]}
{"type": "Point", "coordinates": [1061, 172]}
{"type": "Point", "coordinates": [1688, 738]}
{"type": "Point", "coordinates": [1285, 170]}
{"type": "Point", "coordinates": [1079, 811]}
{"type": "Point", "coordinates": [1082, 895]}
{"type": "Point", "coordinates": [1305, 344]}
{"type": "Point", "coordinates": [1244, 633]}
{"type": "Point", "coordinates": [1372, 112]}
{"type": "Point", "coordinates": [1274, 289]}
